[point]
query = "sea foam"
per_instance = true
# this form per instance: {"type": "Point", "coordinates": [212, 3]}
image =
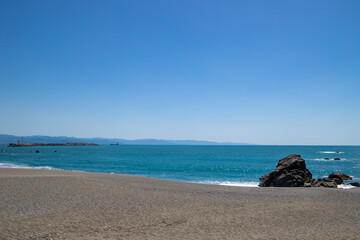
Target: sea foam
{"type": "Point", "coordinates": [329, 152]}
{"type": "Point", "coordinates": [234, 184]}
{"type": "Point", "coordinates": [343, 186]}
{"type": "Point", "coordinates": [24, 166]}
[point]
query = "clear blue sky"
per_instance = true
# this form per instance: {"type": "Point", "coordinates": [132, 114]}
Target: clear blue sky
{"type": "Point", "coordinates": [264, 72]}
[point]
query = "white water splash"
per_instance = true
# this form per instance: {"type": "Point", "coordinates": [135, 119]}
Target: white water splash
{"type": "Point", "coordinates": [344, 186]}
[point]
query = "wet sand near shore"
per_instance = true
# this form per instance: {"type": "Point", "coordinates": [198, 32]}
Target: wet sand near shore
{"type": "Point", "coordinates": [43, 204]}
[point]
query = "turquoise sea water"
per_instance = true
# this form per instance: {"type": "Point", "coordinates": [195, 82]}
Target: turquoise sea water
{"type": "Point", "coordinates": [232, 165]}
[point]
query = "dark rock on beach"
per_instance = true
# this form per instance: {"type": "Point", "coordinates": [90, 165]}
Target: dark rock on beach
{"type": "Point", "coordinates": [336, 180]}
{"type": "Point", "coordinates": [325, 182]}
{"type": "Point", "coordinates": [340, 175]}
{"type": "Point", "coordinates": [332, 181]}
{"type": "Point", "coordinates": [291, 171]}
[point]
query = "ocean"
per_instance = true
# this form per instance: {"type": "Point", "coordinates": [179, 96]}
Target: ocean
{"type": "Point", "coordinates": [224, 165]}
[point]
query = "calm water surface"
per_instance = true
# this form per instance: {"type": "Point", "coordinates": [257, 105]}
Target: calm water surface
{"type": "Point", "coordinates": [237, 165]}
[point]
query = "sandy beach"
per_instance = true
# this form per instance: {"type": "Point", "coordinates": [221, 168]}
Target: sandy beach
{"type": "Point", "coordinates": [42, 204]}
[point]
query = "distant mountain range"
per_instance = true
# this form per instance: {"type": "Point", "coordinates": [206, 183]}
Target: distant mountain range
{"type": "Point", "coordinates": [6, 139]}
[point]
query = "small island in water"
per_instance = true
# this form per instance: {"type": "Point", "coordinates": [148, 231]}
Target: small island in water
{"type": "Point", "coordinates": [51, 144]}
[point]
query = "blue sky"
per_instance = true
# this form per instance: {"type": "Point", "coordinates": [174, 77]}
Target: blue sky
{"type": "Point", "coordinates": [264, 72]}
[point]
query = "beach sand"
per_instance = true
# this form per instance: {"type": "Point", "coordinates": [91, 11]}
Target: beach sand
{"type": "Point", "coordinates": [42, 204]}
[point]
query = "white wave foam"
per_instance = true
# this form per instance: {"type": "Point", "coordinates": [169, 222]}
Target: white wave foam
{"type": "Point", "coordinates": [343, 186]}
{"type": "Point", "coordinates": [329, 152]}
{"type": "Point", "coordinates": [319, 159]}
{"type": "Point", "coordinates": [326, 160]}
{"type": "Point", "coordinates": [234, 184]}
{"type": "Point", "coordinates": [24, 166]}
{"type": "Point", "coordinates": [241, 184]}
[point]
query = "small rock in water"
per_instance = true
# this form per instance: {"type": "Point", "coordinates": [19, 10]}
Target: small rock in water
{"type": "Point", "coordinates": [337, 158]}
{"type": "Point", "coordinates": [37, 151]}
{"type": "Point", "coordinates": [355, 184]}
{"type": "Point", "coordinates": [55, 151]}
{"type": "Point", "coordinates": [326, 158]}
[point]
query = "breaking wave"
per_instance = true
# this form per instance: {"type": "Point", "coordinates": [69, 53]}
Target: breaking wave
{"type": "Point", "coordinates": [329, 152]}
{"type": "Point", "coordinates": [234, 184]}
{"type": "Point", "coordinates": [24, 166]}
{"type": "Point", "coordinates": [343, 186]}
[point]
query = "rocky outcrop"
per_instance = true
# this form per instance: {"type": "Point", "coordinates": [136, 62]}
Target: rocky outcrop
{"type": "Point", "coordinates": [331, 181]}
{"type": "Point", "coordinates": [340, 175]}
{"type": "Point", "coordinates": [291, 171]}
{"type": "Point", "coordinates": [325, 182]}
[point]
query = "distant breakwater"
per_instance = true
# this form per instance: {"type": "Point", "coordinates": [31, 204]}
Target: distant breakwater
{"type": "Point", "coordinates": [50, 144]}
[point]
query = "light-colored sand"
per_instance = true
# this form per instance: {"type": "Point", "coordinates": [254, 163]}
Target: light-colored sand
{"type": "Point", "coordinates": [40, 204]}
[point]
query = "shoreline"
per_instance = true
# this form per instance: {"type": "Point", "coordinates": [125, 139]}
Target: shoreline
{"type": "Point", "coordinates": [43, 204]}
{"type": "Point", "coordinates": [247, 184]}
{"type": "Point", "coordinates": [224, 183]}
{"type": "Point", "coordinates": [49, 168]}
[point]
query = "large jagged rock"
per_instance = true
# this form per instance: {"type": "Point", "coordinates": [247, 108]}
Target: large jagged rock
{"type": "Point", "coordinates": [291, 171]}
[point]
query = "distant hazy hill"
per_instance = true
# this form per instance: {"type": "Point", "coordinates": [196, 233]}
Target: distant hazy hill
{"type": "Point", "coordinates": [6, 139]}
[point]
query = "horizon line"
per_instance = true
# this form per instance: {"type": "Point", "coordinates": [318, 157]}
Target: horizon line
{"type": "Point", "coordinates": [179, 140]}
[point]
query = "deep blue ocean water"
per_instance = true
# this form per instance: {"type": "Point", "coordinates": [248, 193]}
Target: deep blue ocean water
{"type": "Point", "coordinates": [232, 165]}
